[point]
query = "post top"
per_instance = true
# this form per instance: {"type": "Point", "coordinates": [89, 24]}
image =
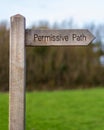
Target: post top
{"type": "Point", "coordinates": [17, 16]}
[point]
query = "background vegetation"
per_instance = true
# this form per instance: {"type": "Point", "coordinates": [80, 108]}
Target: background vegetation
{"type": "Point", "coordinates": [50, 68]}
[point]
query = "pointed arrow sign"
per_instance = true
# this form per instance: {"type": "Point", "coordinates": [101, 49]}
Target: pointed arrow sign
{"type": "Point", "coordinates": [58, 37]}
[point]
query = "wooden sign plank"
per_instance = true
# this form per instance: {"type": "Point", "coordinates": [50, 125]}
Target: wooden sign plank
{"type": "Point", "coordinates": [58, 37]}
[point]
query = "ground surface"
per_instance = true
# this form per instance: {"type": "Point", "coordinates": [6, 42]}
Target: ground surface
{"type": "Point", "coordinates": [60, 110]}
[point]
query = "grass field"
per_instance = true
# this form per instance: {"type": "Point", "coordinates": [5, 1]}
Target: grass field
{"type": "Point", "coordinates": [60, 110]}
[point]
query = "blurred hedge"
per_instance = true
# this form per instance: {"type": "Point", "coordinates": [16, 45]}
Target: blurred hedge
{"type": "Point", "coordinates": [50, 68]}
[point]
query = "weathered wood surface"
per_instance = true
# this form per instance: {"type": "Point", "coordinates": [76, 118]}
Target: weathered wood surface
{"type": "Point", "coordinates": [58, 37]}
{"type": "Point", "coordinates": [17, 74]}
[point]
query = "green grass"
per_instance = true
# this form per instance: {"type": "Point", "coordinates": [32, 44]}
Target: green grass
{"type": "Point", "coordinates": [4, 103]}
{"type": "Point", "coordinates": [60, 110]}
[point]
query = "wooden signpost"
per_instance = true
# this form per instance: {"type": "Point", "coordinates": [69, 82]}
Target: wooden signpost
{"type": "Point", "coordinates": [19, 39]}
{"type": "Point", "coordinates": [17, 74]}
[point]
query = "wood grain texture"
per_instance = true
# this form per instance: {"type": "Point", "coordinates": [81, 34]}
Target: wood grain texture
{"type": "Point", "coordinates": [17, 74]}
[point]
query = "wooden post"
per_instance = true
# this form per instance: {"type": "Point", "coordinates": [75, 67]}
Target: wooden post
{"type": "Point", "coordinates": [17, 74]}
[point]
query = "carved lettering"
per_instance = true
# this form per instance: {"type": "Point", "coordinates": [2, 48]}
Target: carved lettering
{"type": "Point", "coordinates": [50, 38]}
{"type": "Point", "coordinates": [81, 37]}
